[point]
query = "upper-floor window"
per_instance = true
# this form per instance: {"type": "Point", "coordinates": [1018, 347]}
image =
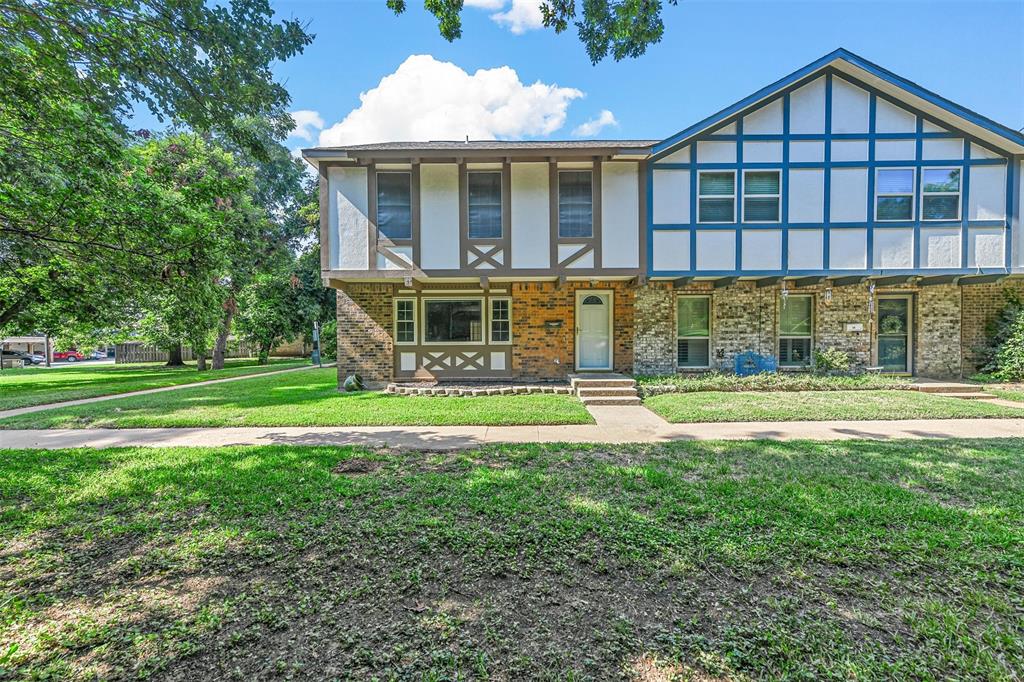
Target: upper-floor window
{"type": "Point", "coordinates": [940, 194]}
{"type": "Point", "coordinates": [394, 206]}
{"type": "Point", "coordinates": [894, 194]}
{"type": "Point", "coordinates": [716, 197]}
{"type": "Point", "coordinates": [693, 331]}
{"type": "Point", "coordinates": [484, 204]}
{"type": "Point", "coordinates": [575, 203]}
{"type": "Point", "coordinates": [796, 329]}
{"type": "Point", "coordinates": [761, 196]}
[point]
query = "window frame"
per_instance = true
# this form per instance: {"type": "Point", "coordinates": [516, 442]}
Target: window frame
{"type": "Point", "coordinates": [810, 337]}
{"type": "Point", "coordinates": [501, 203]}
{"type": "Point", "coordinates": [483, 320]}
{"type": "Point", "coordinates": [707, 338]}
{"type": "Point", "coordinates": [415, 321]}
{"type": "Point", "coordinates": [590, 172]}
{"type": "Point", "coordinates": [735, 190]}
{"type": "Point", "coordinates": [490, 320]}
{"type": "Point", "coordinates": [959, 194]}
{"type": "Point", "coordinates": [912, 194]}
{"type": "Point", "coordinates": [777, 197]}
{"type": "Point", "coordinates": [380, 232]}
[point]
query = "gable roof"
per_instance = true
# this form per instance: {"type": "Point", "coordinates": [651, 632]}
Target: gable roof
{"type": "Point", "coordinates": [846, 62]}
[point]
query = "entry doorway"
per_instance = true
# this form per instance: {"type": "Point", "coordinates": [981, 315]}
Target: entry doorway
{"type": "Point", "coordinates": [894, 344]}
{"type": "Point", "coordinates": [594, 324]}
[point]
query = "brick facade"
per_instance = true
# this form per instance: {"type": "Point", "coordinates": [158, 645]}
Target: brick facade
{"type": "Point", "coordinates": [364, 332]}
{"type": "Point", "coordinates": [948, 325]}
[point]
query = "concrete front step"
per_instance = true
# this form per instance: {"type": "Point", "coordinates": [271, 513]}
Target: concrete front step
{"type": "Point", "coordinates": [945, 387]}
{"type": "Point", "coordinates": [976, 395]}
{"type": "Point", "coordinates": [610, 382]}
{"type": "Point", "coordinates": [609, 400]}
{"type": "Point", "coordinates": [607, 392]}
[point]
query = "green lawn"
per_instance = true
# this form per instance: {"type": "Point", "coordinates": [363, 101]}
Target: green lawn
{"type": "Point", "coordinates": [38, 385]}
{"type": "Point", "coordinates": [309, 398]}
{"type": "Point", "coordinates": [694, 561]}
{"type": "Point", "coordinates": [716, 406]}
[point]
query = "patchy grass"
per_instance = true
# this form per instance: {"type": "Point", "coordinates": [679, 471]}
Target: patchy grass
{"type": "Point", "coordinates": [38, 385]}
{"type": "Point", "coordinates": [865, 560]}
{"type": "Point", "coordinates": [1008, 391]}
{"type": "Point", "coordinates": [715, 406]}
{"type": "Point", "coordinates": [309, 398]}
{"type": "Point", "coordinates": [768, 381]}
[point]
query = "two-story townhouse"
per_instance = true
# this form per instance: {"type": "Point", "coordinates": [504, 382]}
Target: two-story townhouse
{"type": "Point", "coordinates": [841, 207]}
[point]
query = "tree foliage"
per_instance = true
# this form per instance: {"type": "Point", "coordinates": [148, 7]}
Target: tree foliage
{"type": "Point", "coordinates": [620, 28]}
{"type": "Point", "coordinates": [1004, 354]}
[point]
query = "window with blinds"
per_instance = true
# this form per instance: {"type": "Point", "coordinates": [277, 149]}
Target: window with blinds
{"type": "Point", "coordinates": [894, 194]}
{"type": "Point", "coordinates": [394, 205]}
{"type": "Point", "coordinates": [716, 197]}
{"type": "Point", "coordinates": [940, 194]}
{"type": "Point", "coordinates": [484, 210]}
{"type": "Point", "coordinates": [693, 331]}
{"type": "Point", "coordinates": [761, 196]}
{"type": "Point", "coordinates": [575, 203]}
{"type": "Point", "coordinates": [796, 330]}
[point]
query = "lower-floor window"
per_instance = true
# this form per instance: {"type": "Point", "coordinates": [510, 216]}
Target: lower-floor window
{"type": "Point", "coordinates": [453, 321]}
{"type": "Point", "coordinates": [693, 331]}
{"type": "Point", "coordinates": [501, 320]}
{"type": "Point", "coordinates": [405, 320]}
{"type": "Point", "coordinates": [796, 325]}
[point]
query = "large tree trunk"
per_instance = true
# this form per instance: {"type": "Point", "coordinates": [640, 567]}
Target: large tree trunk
{"type": "Point", "coordinates": [222, 336]}
{"type": "Point", "coordinates": [264, 353]}
{"type": "Point", "coordinates": [174, 356]}
{"type": "Point", "coordinates": [201, 361]}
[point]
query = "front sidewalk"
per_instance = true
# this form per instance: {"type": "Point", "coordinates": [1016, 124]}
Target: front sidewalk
{"type": "Point", "coordinates": [459, 437]}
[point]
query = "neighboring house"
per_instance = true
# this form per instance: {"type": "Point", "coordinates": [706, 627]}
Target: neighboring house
{"type": "Point", "coordinates": [35, 344]}
{"type": "Point", "coordinates": [842, 206]}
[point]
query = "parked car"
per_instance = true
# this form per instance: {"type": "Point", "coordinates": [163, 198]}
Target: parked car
{"type": "Point", "coordinates": [37, 358]}
{"type": "Point", "coordinates": [14, 356]}
{"type": "Point", "coordinates": [69, 355]}
{"type": "Point", "coordinates": [98, 355]}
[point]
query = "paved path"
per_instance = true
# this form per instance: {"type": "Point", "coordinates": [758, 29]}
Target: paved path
{"type": "Point", "coordinates": [452, 437]}
{"type": "Point", "coordinates": [114, 396]}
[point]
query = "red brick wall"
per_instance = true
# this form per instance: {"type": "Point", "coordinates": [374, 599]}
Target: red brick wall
{"type": "Point", "coordinates": [364, 332]}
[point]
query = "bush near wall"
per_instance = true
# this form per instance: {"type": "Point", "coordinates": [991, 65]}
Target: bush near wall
{"type": "Point", "coordinates": [721, 381]}
{"type": "Point", "coordinates": [1004, 353]}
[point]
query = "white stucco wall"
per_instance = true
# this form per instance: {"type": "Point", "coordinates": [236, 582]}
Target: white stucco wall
{"type": "Point", "coordinates": [848, 195]}
{"type": "Point", "coordinates": [893, 248]}
{"type": "Point", "coordinates": [716, 250]}
{"type": "Point", "coordinates": [439, 216]}
{"type": "Point", "coordinates": [806, 195]}
{"type": "Point", "coordinates": [848, 249]}
{"type": "Point", "coordinates": [762, 249]}
{"type": "Point", "coordinates": [348, 218]}
{"type": "Point", "coordinates": [987, 197]}
{"type": "Point", "coordinates": [671, 201]}
{"type": "Point", "coordinates": [531, 216]}
{"type": "Point", "coordinates": [671, 249]}
{"type": "Point", "coordinates": [940, 247]}
{"type": "Point", "coordinates": [620, 215]}
{"type": "Point", "coordinates": [805, 249]}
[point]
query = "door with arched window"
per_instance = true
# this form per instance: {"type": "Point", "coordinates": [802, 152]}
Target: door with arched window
{"type": "Point", "coordinates": [594, 330]}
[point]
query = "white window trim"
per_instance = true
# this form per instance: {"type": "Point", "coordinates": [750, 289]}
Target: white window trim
{"type": "Point", "coordinates": [501, 201]}
{"type": "Point", "coordinates": [380, 233]}
{"type": "Point", "coordinates": [483, 320]}
{"type": "Point", "coordinates": [559, 197]}
{"type": "Point", "coordinates": [735, 189]}
{"type": "Point", "coordinates": [490, 320]}
{"type": "Point", "coordinates": [912, 194]}
{"type": "Point", "coordinates": [777, 197]}
{"type": "Point", "coordinates": [697, 338]}
{"type": "Point", "coordinates": [415, 322]}
{"type": "Point", "coordinates": [782, 336]}
{"type": "Point", "coordinates": [959, 195]}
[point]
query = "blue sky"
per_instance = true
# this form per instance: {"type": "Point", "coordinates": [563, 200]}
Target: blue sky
{"type": "Point", "coordinates": [713, 53]}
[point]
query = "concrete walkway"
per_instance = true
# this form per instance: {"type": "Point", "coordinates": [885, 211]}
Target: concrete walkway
{"type": "Point", "coordinates": [456, 437]}
{"type": "Point", "coordinates": [114, 396]}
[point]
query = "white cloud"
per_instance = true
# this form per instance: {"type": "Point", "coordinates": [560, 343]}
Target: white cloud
{"type": "Point", "coordinates": [522, 16]}
{"type": "Point", "coordinates": [485, 4]}
{"type": "Point", "coordinates": [307, 122]}
{"type": "Point", "coordinates": [426, 99]}
{"type": "Point", "coordinates": [595, 125]}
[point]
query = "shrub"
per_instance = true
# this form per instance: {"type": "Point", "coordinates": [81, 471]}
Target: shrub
{"type": "Point", "coordinates": [831, 360]}
{"type": "Point", "coordinates": [1004, 354]}
{"type": "Point", "coordinates": [779, 381]}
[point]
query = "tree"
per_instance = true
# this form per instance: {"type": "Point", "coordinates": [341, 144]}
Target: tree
{"type": "Point", "coordinates": [273, 308]}
{"type": "Point", "coordinates": [70, 73]}
{"type": "Point", "coordinates": [621, 28]}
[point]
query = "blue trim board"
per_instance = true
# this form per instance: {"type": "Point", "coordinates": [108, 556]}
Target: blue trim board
{"type": "Point", "coordinates": [826, 245]}
{"type": "Point", "coordinates": [935, 163]}
{"type": "Point", "coordinates": [784, 185]}
{"type": "Point", "coordinates": [798, 77]}
{"type": "Point", "coordinates": [965, 189]}
{"type": "Point", "coordinates": [863, 272]}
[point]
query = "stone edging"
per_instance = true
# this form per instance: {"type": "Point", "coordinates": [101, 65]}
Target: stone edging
{"type": "Point", "coordinates": [441, 391]}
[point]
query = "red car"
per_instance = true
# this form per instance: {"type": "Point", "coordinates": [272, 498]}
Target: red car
{"type": "Point", "coordinates": [69, 355]}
